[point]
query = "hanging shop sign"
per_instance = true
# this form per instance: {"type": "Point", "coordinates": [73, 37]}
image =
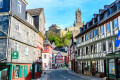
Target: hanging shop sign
{"type": "Point", "coordinates": [15, 55]}
{"type": "Point", "coordinates": [118, 40]}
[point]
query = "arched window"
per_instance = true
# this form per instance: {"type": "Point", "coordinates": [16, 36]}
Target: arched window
{"type": "Point", "coordinates": [111, 66]}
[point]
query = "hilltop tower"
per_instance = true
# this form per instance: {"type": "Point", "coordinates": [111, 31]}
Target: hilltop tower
{"type": "Point", "coordinates": [78, 21]}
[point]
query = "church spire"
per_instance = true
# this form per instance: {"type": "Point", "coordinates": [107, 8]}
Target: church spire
{"type": "Point", "coordinates": [78, 9]}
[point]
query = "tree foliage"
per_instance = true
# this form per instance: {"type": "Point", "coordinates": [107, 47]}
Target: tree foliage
{"type": "Point", "coordinates": [60, 42]}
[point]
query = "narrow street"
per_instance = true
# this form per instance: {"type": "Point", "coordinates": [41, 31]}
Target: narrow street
{"type": "Point", "coordinates": [63, 75]}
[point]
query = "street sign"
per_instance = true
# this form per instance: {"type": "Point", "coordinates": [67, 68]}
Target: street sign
{"type": "Point", "coordinates": [15, 55]}
{"type": "Point", "coordinates": [118, 40]}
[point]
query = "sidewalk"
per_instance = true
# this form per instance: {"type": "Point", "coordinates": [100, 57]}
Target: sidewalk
{"type": "Point", "coordinates": [85, 77]}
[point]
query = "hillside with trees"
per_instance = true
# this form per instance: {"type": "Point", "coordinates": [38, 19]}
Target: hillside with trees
{"type": "Point", "coordinates": [60, 42]}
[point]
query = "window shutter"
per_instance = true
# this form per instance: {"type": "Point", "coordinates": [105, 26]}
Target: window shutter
{"type": "Point", "coordinates": [20, 71]}
{"type": "Point", "coordinates": [38, 67]}
{"type": "Point", "coordinates": [14, 71]}
{"type": "Point", "coordinates": [25, 70]}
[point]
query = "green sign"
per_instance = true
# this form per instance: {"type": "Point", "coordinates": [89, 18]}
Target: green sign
{"type": "Point", "coordinates": [15, 55]}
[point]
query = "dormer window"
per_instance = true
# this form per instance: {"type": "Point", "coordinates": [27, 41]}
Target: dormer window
{"type": "Point", "coordinates": [19, 7]}
{"type": "Point", "coordinates": [1, 3]}
{"type": "Point", "coordinates": [30, 19]}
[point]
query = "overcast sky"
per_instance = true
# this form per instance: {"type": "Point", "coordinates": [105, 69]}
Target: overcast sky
{"type": "Point", "coordinates": [62, 12]}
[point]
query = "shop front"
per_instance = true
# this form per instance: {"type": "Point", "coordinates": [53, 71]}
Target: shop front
{"type": "Point", "coordinates": [92, 65]}
{"type": "Point", "coordinates": [113, 66]}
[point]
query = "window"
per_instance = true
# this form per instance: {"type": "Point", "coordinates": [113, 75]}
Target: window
{"type": "Point", "coordinates": [86, 37]}
{"type": "Point", "coordinates": [104, 46]}
{"type": "Point", "coordinates": [78, 40]}
{"type": "Point", "coordinates": [27, 50]}
{"type": "Point", "coordinates": [44, 47]}
{"type": "Point", "coordinates": [108, 27]}
{"type": "Point", "coordinates": [91, 48]}
{"type": "Point", "coordinates": [115, 23]}
{"type": "Point", "coordinates": [97, 32]}
{"type": "Point", "coordinates": [86, 50]}
{"type": "Point", "coordinates": [93, 33]}
{"type": "Point", "coordinates": [110, 46]}
{"type": "Point", "coordinates": [90, 34]}
{"type": "Point", "coordinates": [44, 64]}
{"type": "Point", "coordinates": [25, 70]}
{"type": "Point", "coordinates": [17, 27]}
{"type": "Point", "coordinates": [45, 56]}
{"type": "Point", "coordinates": [83, 51]}
{"type": "Point", "coordinates": [18, 69]}
{"type": "Point", "coordinates": [16, 47]}
{"type": "Point", "coordinates": [82, 38]}
{"type": "Point", "coordinates": [78, 52]}
{"type": "Point", "coordinates": [102, 29]}
{"type": "Point", "coordinates": [19, 7]}
{"type": "Point", "coordinates": [1, 3]}
{"type": "Point", "coordinates": [95, 48]}
{"type": "Point", "coordinates": [111, 66]}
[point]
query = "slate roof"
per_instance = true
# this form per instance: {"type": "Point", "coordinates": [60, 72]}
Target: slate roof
{"type": "Point", "coordinates": [47, 42]}
{"type": "Point", "coordinates": [34, 11]}
{"type": "Point", "coordinates": [62, 53]}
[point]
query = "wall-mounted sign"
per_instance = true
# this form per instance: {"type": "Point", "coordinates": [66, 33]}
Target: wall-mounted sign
{"type": "Point", "coordinates": [118, 40]}
{"type": "Point", "coordinates": [15, 55]}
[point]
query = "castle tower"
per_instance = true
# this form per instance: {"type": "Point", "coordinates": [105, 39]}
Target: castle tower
{"type": "Point", "coordinates": [78, 21]}
{"type": "Point", "coordinates": [78, 16]}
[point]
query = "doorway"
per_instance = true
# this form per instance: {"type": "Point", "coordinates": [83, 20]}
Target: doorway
{"type": "Point", "coordinates": [3, 74]}
{"type": "Point", "coordinates": [118, 68]}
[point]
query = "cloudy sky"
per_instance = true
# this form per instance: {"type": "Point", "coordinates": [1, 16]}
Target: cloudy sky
{"type": "Point", "coordinates": [62, 12]}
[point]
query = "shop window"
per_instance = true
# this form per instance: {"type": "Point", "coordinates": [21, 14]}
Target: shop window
{"type": "Point", "coordinates": [115, 23]}
{"type": "Point", "coordinates": [111, 66]}
{"type": "Point", "coordinates": [108, 27]}
{"type": "Point", "coordinates": [102, 29]}
{"type": "Point", "coordinates": [25, 70]}
{"type": "Point", "coordinates": [110, 46]}
{"type": "Point", "coordinates": [18, 70]}
{"type": "Point", "coordinates": [31, 69]}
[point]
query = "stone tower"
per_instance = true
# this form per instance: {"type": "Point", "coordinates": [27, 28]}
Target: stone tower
{"type": "Point", "coordinates": [78, 16]}
{"type": "Point", "coordinates": [78, 21]}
